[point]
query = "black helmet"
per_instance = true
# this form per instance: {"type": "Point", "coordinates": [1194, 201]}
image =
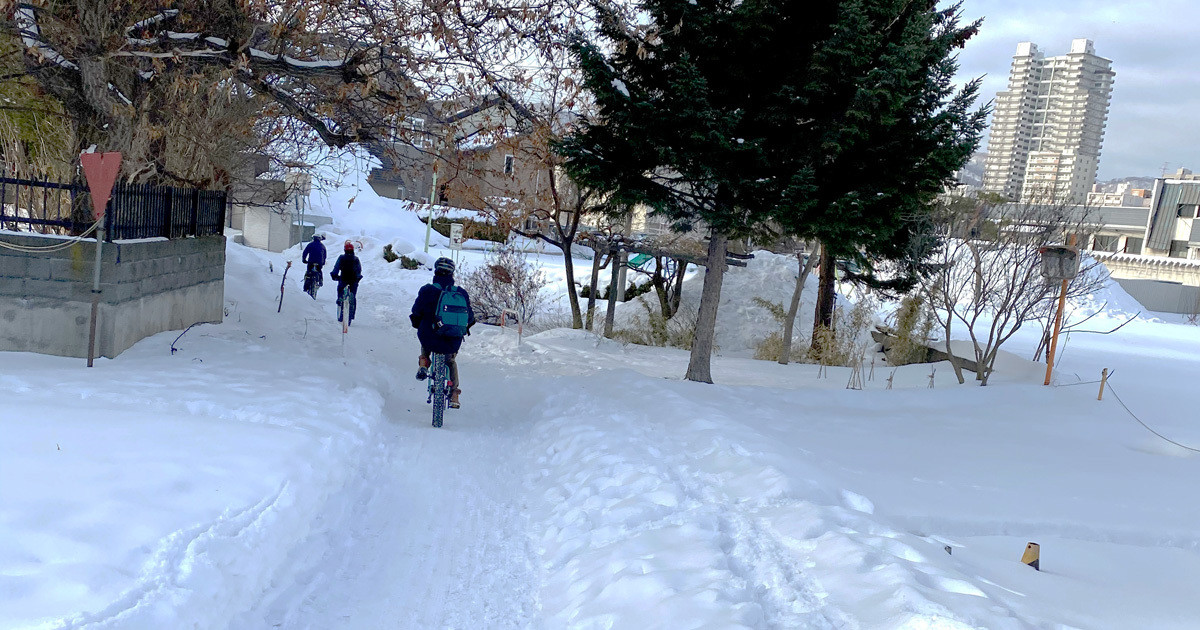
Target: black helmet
{"type": "Point", "coordinates": [443, 265]}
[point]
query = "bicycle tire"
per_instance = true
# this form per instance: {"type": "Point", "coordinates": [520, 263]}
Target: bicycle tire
{"type": "Point", "coordinates": [438, 385]}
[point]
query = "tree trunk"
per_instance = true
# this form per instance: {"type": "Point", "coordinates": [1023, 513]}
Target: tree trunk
{"type": "Point", "coordinates": [823, 317]}
{"type": "Point", "coordinates": [612, 294]}
{"type": "Point", "coordinates": [954, 362]}
{"type": "Point", "coordinates": [700, 365]}
{"type": "Point", "coordinates": [677, 293]}
{"type": "Point", "coordinates": [591, 305]}
{"type": "Point", "coordinates": [789, 323]}
{"type": "Point", "coordinates": [659, 281]}
{"type": "Point", "coordinates": [572, 293]}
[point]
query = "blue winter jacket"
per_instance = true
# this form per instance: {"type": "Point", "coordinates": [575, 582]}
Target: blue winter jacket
{"type": "Point", "coordinates": [424, 309]}
{"type": "Point", "coordinates": [314, 253]}
{"type": "Point", "coordinates": [347, 270]}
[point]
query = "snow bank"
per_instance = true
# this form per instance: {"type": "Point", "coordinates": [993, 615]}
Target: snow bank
{"type": "Point", "coordinates": [162, 487]}
{"type": "Point", "coordinates": [741, 323]}
{"type": "Point", "coordinates": [649, 513]}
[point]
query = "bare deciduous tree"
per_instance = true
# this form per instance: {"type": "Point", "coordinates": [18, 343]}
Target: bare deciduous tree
{"type": "Point", "coordinates": [989, 273]}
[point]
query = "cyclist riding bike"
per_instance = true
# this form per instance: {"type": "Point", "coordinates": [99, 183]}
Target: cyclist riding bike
{"type": "Point", "coordinates": [314, 257]}
{"type": "Point", "coordinates": [441, 323]}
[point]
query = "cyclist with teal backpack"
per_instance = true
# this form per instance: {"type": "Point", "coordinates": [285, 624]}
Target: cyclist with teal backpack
{"type": "Point", "coordinates": [442, 316]}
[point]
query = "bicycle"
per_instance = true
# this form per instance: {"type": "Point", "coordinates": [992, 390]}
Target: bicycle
{"type": "Point", "coordinates": [313, 280]}
{"type": "Point", "coordinates": [440, 386]}
{"type": "Point", "coordinates": [345, 306]}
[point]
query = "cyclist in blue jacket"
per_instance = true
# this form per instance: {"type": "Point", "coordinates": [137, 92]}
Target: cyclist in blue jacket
{"type": "Point", "coordinates": [313, 256]}
{"type": "Point", "coordinates": [348, 272]}
{"type": "Point", "coordinates": [424, 318]}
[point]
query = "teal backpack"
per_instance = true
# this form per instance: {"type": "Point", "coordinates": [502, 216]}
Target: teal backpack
{"type": "Point", "coordinates": [451, 318]}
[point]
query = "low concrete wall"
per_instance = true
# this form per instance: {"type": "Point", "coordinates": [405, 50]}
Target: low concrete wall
{"type": "Point", "coordinates": [146, 287]}
{"type": "Point", "coordinates": [1163, 297]}
{"type": "Point", "coordinates": [1161, 268]}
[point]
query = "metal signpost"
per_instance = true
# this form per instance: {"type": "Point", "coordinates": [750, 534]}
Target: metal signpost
{"type": "Point", "coordinates": [100, 169]}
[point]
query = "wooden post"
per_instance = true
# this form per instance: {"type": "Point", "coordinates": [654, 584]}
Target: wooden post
{"type": "Point", "coordinates": [1103, 380]}
{"type": "Point", "coordinates": [281, 284]}
{"type": "Point", "coordinates": [1058, 316]}
{"type": "Point", "coordinates": [1032, 555]}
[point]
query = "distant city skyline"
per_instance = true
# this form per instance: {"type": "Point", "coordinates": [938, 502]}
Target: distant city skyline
{"type": "Point", "coordinates": [1153, 118]}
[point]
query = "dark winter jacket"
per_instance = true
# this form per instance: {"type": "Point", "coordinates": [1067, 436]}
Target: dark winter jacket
{"type": "Point", "coordinates": [423, 316]}
{"type": "Point", "coordinates": [314, 253]}
{"type": "Point", "coordinates": [347, 270]}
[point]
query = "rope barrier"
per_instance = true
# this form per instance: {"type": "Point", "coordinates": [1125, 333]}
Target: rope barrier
{"type": "Point", "coordinates": [1144, 425]}
{"type": "Point", "coordinates": [1079, 383]}
{"type": "Point", "coordinates": [38, 249]}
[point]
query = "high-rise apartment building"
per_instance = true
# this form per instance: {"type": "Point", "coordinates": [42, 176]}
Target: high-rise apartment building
{"type": "Point", "coordinates": [1048, 126]}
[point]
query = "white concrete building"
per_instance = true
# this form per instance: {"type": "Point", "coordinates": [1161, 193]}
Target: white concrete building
{"type": "Point", "coordinates": [1048, 127]}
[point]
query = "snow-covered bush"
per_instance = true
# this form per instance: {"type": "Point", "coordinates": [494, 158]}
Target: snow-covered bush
{"type": "Point", "coordinates": [506, 281]}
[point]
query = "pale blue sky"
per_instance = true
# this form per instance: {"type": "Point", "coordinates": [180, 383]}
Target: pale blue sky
{"type": "Point", "coordinates": [1155, 113]}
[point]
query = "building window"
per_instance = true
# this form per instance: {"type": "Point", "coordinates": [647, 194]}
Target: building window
{"type": "Point", "coordinates": [509, 164]}
{"type": "Point", "coordinates": [1133, 245]}
{"type": "Point", "coordinates": [1185, 211]}
{"type": "Point", "coordinates": [1179, 249]}
{"type": "Point", "coordinates": [1105, 243]}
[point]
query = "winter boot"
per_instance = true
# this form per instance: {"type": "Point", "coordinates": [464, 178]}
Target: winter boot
{"type": "Point", "coordinates": [423, 369]}
{"type": "Point", "coordinates": [453, 404]}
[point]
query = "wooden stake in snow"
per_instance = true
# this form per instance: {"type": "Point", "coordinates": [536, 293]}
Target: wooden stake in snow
{"type": "Point", "coordinates": [1032, 555]}
{"type": "Point", "coordinates": [281, 283]}
{"type": "Point", "coordinates": [1103, 381]}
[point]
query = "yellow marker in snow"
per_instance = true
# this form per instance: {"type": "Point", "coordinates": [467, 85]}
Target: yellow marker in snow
{"type": "Point", "coordinates": [1032, 551]}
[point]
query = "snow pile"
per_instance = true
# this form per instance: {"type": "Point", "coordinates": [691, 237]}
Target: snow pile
{"type": "Point", "coordinates": [163, 486]}
{"type": "Point", "coordinates": [1112, 299]}
{"type": "Point", "coordinates": [741, 323]}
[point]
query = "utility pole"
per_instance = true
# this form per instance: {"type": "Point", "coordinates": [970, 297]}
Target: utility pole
{"type": "Point", "coordinates": [1060, 263]}
{"type": "Point", "coordinates": [432, 195]}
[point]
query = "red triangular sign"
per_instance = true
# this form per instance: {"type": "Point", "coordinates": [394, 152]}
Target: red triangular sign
{"type": "Point", "coordinates": [100, 169]}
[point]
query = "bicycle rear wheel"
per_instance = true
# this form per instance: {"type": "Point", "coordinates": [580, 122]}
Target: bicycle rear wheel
{"type": "Point", "coordinates": [437, 382]}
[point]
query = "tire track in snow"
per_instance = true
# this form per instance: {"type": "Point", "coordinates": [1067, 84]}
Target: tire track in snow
{"type": "Point", "coordinates": [434, 539]}
{"type": "Point", "coordinates": [627, 489]}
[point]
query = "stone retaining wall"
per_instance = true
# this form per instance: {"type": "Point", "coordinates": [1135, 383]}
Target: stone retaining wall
{"type": "Point", "coordinates": [146, 287]}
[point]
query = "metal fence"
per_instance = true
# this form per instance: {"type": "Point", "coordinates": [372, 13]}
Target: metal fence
{"type": "Point", "coordinates": [134, 210]}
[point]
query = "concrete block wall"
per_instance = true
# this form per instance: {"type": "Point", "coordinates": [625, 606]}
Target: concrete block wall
{"type": "Point", "coordinates": [147, 286]}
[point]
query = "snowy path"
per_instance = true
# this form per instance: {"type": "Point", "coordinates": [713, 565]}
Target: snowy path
{"type": "Point", "coordinates": [432, 538]}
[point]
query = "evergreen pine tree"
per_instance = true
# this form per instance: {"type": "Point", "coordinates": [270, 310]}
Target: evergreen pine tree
{"type": "Point", "coordinates": [686, 110]}
{"type": "Point", "coordinates": [898, 131]}
{"type": "Point", "coordinates": [833, 120]}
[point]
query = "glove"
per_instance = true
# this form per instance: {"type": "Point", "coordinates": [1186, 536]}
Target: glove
{"type": "Point", "coordinates": [415, 319]}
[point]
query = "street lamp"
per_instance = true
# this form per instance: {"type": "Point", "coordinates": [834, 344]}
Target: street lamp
{"type": "Point", "coordinates": [1059, 262]}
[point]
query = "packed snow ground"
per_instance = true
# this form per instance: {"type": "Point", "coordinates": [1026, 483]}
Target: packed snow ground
{"type": "Point", "coordinates": [275, 474]}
